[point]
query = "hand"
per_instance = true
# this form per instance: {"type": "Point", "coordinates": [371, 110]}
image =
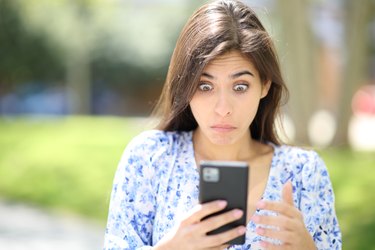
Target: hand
{"type": "Point", "coordinates": [291, 230]}
{"type": "Point", "coordinates": [191, 232]}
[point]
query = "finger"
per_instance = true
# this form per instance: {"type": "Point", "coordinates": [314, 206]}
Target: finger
{"type": "Point", "coordinates": [281, 235]}
{"type": "Point", "coordinates": [287, 193]}
{"type": "Point", "coordinates": [270, 246]}
{"type": "Point", "coordinates": [218, 248]}
{"type": "Point", "coordinates": [280, 221]}
{"type": "Point", "coordinates": [202, 210]}
{"type": "Point", "coordinates": [279, 207]}
{"type": "Point", "coordinates": [222, 238]}
{"type": "Point", "coordinates": [217, 221]}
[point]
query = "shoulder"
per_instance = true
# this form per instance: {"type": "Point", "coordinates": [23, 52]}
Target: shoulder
{"type": "Point", "coordinates": [150, 151]}
{"type": "Point", "coordinates": [156, 139]}
{"type": "Point", "coordinates": [154, 145]}
{"type": "Point", "coordinates": [299, 161]}
{"type": "Point", "coordinates": [289, 153]}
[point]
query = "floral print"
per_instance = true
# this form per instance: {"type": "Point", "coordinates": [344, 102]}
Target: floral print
{"type": "Point", "coordinates": [157, 182]}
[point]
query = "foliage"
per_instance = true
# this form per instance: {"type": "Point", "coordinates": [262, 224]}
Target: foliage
{"type": "Point", "coordinates": [69, 163]}
{"type": "Point", "coordinates": [88, 46]}
{"type": "Point", "coordinates": [24, 56]}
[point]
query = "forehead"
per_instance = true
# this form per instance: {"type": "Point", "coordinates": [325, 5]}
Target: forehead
{"type": "Point", "coordinates": [231, 60]}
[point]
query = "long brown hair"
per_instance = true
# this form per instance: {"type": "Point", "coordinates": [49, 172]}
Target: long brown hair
{"type": "Point", "coordinates": [213, 30]}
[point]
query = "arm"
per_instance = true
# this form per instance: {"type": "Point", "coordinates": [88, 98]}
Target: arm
{"type": "Point", "coordinates": [132, 204]}
{"type": "Point", "coordinates": [318, 206]}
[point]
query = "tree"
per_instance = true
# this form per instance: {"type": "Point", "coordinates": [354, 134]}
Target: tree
{"type": "Point", "coordinates": [359, 14]}
{"type": "Point", "coordinates": [83, 31]}
{"type": "Point", "coordinates": [24, 55]}
{"type": "Point", "coordinates": [298, 62]}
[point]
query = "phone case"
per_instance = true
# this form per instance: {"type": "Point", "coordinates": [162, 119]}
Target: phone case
{"type": "Point", "coordinates": [225, 180]}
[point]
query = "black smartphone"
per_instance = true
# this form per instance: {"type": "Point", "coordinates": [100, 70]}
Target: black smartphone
{"type": "Point", "coordinates": [225, 180]}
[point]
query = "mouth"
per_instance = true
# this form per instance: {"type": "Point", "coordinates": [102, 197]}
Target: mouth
{"type": "Point", "coordinates": [223, 127]}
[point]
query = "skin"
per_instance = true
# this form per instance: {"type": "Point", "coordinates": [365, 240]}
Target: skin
{"type": "Point", "coordinates": [292, 231]}
{"type": "Point", "coordinates": [224, 106]}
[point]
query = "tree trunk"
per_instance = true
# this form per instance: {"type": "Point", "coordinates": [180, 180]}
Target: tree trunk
{"type": "Point", "coordinates": [298, 63]}
{"type": "Point", "coordinates": [358, 13]}
{"type": "Point", "coordinates": [79, 82]}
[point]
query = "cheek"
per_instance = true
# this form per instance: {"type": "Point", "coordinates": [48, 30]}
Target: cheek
{"type": "Point", "coordinates": [194, 106]}
{"type": "Point", "coordinates": [198, 108]}
{"type": "Point", "coordinates": [249, 110]}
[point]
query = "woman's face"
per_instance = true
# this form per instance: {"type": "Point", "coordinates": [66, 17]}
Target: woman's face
{"type": "Point", "coordinates": [227, 98]}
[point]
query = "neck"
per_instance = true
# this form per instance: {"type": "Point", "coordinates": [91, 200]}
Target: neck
{"type": "Point", "coordinates": [242, 150]}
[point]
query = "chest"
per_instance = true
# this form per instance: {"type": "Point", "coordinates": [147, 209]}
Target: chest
{"type": "Point", "coordinates": [258, 180]}
{"type": "Point", "coordinates": [179, 191]}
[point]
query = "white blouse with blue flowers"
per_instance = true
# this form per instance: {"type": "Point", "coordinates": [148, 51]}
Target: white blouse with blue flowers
{"type": "Point", "coordinates": [157, 180]}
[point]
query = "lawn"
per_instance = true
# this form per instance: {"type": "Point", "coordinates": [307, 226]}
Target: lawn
{"type": "Point", "coordinates": [63, 163]}
{"type": "Point", "coordinates": [67, 164]}
{"type": "Point", "coordinates": [353, 177]}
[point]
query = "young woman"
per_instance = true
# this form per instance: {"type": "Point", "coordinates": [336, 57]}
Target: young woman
{"type": "Point", "coordinates": [220, 100]}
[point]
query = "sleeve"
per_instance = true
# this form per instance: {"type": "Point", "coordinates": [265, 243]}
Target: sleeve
{"type": "Point", "coordinates": [133, 202]}
{"type": "Point", "coordinates": [318, 206]}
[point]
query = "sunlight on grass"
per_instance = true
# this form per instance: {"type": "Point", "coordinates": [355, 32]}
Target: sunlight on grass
{"type": "Point", "coordinates": [65, 163]}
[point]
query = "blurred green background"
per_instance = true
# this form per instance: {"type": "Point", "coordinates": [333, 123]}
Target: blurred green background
{"type": "Point", "coordinates": [78, 79]}
{"type": "Point", "coordinates": [67, 164]}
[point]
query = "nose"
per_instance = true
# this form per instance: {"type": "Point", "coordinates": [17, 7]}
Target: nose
{"type": "Point", "coordinates": [223, 106]}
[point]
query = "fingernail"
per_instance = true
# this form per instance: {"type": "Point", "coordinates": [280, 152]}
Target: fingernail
{"type": "Point", "coordinates": [261, 204]}
{"type": "Point", "coordinates": [237, 213]}
{"type": "Point", "coordinates": [263, 244]}
{"type": "Point", "coordinates": [259, 231]}
{"type": "Point", "coordinates": [242, 230]}
{"type": "Point", "coordinates": [222, 204]}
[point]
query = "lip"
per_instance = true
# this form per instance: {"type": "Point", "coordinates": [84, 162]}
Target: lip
{"type": "Point", "coordinates": [223, 127]}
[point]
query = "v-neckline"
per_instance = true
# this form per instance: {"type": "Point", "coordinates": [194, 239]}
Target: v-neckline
{"type": "Point", "coordinates": [270, 174]}
{"type": "Point", "coordinates": [250, 223]}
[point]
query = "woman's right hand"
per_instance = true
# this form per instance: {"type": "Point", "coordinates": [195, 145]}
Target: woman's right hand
{"type": "Point", "coordinates": [191, 232]}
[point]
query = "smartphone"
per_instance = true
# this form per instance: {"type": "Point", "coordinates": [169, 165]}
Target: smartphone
{"type": "Point", "coordinates": [225, 180]}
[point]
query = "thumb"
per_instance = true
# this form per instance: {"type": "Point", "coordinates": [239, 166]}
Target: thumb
{"type": "Point", "coordinates": [287, 193]}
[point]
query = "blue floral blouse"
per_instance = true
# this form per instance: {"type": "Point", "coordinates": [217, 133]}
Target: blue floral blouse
{"type": "Point", "coordinates": [157, 180]}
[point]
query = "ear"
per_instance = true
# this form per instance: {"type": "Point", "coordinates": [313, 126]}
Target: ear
{"type": "Point", "coordinates": [265, 88]}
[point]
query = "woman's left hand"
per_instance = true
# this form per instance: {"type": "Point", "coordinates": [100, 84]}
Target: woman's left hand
{"type": "Point", "coordinates": [288, 225]}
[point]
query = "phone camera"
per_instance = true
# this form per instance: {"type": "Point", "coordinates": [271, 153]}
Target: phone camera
{"type": "Point", "coordinates": [211, 174]}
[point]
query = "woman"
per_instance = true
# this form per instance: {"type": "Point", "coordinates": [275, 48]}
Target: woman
{"type": "Point", "coordinates": [220, 101]}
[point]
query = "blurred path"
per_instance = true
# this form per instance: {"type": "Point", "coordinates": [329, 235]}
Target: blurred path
{"type": "Point", "coordinates": [23, 227]}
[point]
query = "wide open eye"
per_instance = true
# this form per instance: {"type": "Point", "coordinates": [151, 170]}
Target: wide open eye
{"type": "Point", "coordinates": [204, 86]}
{"type": "Point", "coordinates": [242, 87]}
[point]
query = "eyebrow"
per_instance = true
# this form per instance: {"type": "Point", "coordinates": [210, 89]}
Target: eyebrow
{"type": "Point", "coordinates": [233, 76]}
{"type": "Point", "coordinates": [244, 72]}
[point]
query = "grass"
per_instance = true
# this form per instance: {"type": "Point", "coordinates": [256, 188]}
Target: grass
{"type": "Point", "coordinates": [68, 164]}
{"type": "Point", "coordinates": [353, 178]}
